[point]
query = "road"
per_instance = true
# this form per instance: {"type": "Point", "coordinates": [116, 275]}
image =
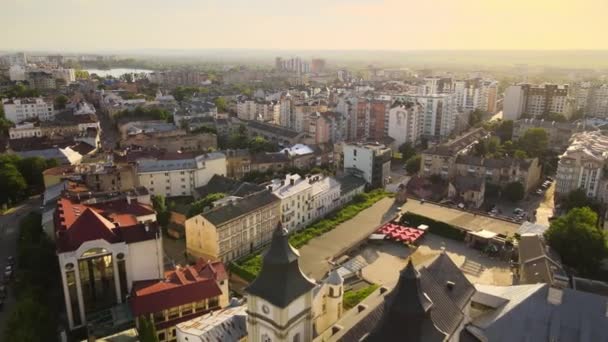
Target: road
{"type": "Point", "coordinates": [9, 224]}
{"type": "Point", "coordinates": [109, 133]}
{"type": "Point", "coordinates": [545, 207]}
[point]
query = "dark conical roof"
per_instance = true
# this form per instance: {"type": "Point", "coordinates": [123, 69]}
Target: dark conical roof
{"type": "Point", "coordinates": [281, 281]}
{"type": "Point", "coordinates": [407, 312]}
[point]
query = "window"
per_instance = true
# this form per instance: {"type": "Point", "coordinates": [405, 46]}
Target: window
{"type": "Point", "coordinates": [296, 337]}
{"type": "Point", "coordinates": [161, 336]}
{"type": "Point", "coordinates": [159, 316]}
{"type": "Point", "coordinates": [266, 338]}
{"type": "Point", "coordinates": [174, 312]}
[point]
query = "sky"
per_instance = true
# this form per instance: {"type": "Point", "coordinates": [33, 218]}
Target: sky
{"type": "Point", "coordinates": [97, 25]}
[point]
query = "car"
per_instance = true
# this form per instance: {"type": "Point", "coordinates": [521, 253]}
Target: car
{"type": "Point", "coordinates": [518, 211]}
{"type": "Point", "coordinates": [549, 179]}
{"type": "Point", "coordinates": [10, 260]}
{"type": "Point", "coordinates": [8, 272]}
{"type": "Point", "coordinates": [461, 205]}
{"type": "Point", "coordinates": [539, 192]}
{"type": "Point", "coordinates": [398, 208]}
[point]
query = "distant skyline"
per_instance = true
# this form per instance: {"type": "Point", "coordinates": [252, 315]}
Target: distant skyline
{"type": "Point", "coordinates": [129, 25]}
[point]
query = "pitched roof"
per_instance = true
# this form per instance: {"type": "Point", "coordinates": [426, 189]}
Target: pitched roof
{"type": "Point", "coordinates": [244, 206]}
{"type": "Point", "coordinates": [444, 270]}
{"type": "Point", "coordinates": [468, 183]}
{"type": "Point", "coordinates": [228, 186]}
{"type": "Point", "coordinates": [281, 280]}
{"type": "Point", "coordinates": [181, 286]}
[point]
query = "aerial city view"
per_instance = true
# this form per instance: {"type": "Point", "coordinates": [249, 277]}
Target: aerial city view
{"type": "Point", "coordinates": [318, 171]}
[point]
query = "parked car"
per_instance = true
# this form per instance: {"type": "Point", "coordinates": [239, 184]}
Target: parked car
{"type": "Point", "coordinates": [8, 272]}
{"type": "Point", "coordinates": [10, 260]}
{"type": "Point", "coordinates": [539, 192]}
{"type": "Point", "coordinates": [461, 205]}
{"type": "Point", "coordinates": [518, 211]}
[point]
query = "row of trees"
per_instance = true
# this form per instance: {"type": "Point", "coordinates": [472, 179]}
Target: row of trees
{"type": "Point", "coordinates": [33, 317]}
{"type": "Point", "coordinates": [20, 177]}
{"type": "Point", "coordinates": [240, 140]}
{"type": "Point", "coordinates": [147, 113]}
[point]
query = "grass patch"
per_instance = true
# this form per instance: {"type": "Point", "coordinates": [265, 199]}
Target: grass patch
{"type": "Point", "coordinates": [352, 298]}
{"type": "Point", "coordinates": [435, 227]}
{"type": "Point", "coordinates": [249, 267]}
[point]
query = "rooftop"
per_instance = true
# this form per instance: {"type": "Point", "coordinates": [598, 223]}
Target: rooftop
{"type": "Point", "coordinates": [227, 325]}
{"type": "Point", "coordinates": [248, 204]}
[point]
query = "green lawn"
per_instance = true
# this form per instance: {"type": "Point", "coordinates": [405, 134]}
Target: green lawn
{"type": "Point", "coordinates": [352, 298]}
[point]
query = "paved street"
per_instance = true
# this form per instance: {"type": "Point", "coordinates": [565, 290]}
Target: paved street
{"type": "Point", "coordinates": [544, 210]}
{"type": "Point", "coordinates": [9, 225]}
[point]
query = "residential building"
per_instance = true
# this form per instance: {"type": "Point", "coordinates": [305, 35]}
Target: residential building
{"type": "Point", "coordinates": [178, 174]}
{"type": "Point", "coordinates": [371, 119]}
{"type": "Point", "coordinates": [177, 140]}
{"type": "Point", "coordinates": [234, 230]}
{"type": "Point", "coordinates": [501, 171]}
{"type": "Point", "coordinates": [18, 110]}
{"type": "Point", "coordinates": [103, 249]}
{"type": "Point", "coordinates": [238, 163]}
{"type": "Point", "coordinates": [227, 325]}
{"type": "Point", "coordinates": [324, 195]}
{"type": "Point", "coordinates": [266, 161]}
{"type": "Point", "coordinates": [592, 99]}
{"type": "Point", "coordinates": [535, 101]}
{"type": "Point", "coordinates": [274, 133]}
{"type": "Point", "coordinates": [295, 193]}
{"type": "Point", "coordinates": [302, 112]}
{"type": "Point", "coordinates": [559, 133]}
{"type": "Point", "coordinates": [174, 78]}
{"type": "Point", "coordinates": [294, 64]}
{"type": "Point", "coordinates": [317, 65]}
{"type": "Point", "coordinates": [183, 294]}
{"type": "Point", "coordinates": [582, 165]}
{"type": "Point", "coordinates": [64, 150]}
{"type": "Point", "coordinates": [107, 177]}
{"type": "Point", "coordinates": [41, 80]}
{"type": "Point", "coordinates": [229, 187]}
{"type": "Point", "coordinates": [440, 159]}
{"type": "Point", "coordinates": [404, 123]}
{"type": "Point", "coordinates": [258, 110]}
{"type": "Point", "coordinates": [438, 113]}
{"type": "Point", "coordinates": [467, 190]}
{"type": "Point", "coordinates": [475, 94]}
{"type": "Point", "coordinates": [370, 161]}
{"type": "Point", "coordinates": [61, 125]}
{"type": "Point", "coordinates": [436, 85]}
{"type": "Point", "coordinates": [301, 156]}
{"type": "Point", "coordinates": [350, 186]}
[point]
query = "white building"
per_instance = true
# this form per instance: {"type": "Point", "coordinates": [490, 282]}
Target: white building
{"type": "Point", "coordinates": [179, 177]}
{"type": "Point", "coordinates": [371, 162]}
{"type": "Point", "coordinates": [582, 165]}
{"type": "Point", "coordinates": [404, 123]}
{"type": "Point", "coordinates": [258, 110]}
{"type": "Point", "coordinates": [475, 94]}
{"type": "Point", "coordinates": [592, 98]}
{"type": "Point", "coordinates": [18, 110]}
{"type": "Point", "coordinates": [513, 103]}
{"type": "Point", "coordinates": [295, 194]}
{"type": "Point", "coordinates": [438, 113]}
{"type": "Point", "coordinates": [16, 73]}
{"type": "Point", "coordinates": [325, 195]}
{"type": "Point", "coordinates": [103, 249]}
{"type": "Point", "coordinates": [25, 130]}
{"type": "Point", "coordinates": [535, 100]}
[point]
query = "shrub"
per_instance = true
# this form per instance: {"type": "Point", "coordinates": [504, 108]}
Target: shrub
{"type": "Point", "coordinates": [352, 298]}
{"type": "Point", "coordinates": [435, 227]}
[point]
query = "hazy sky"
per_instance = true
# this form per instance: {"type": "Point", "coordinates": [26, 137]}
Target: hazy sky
{"type": "Point", "coordinates": [312, 24]}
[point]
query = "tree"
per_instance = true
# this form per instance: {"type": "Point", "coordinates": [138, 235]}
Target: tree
{"type": "Point", "coordinates": [578, 240]}
{"type": "Point", "coordinates": [128, 77]}
{"type": "Point", "coordinates": [260, 144]}
{"type": "Point", "coordinates": [162, 212]}
{"type": "Point", "coordinates": [578, 199]}
{"type": "Point", "coordinates": [61, 101]}
{"type": "Point", "coordinates": [12, 184]}
{"type": "Point", "coordinates": [476, 117]}
{"type": "Point", "coordinates": [535, 141]}
{"type": "Point", "coordinates": [81, 74]}
{"type": "Point", "coordinates": [407, 151]}
{"type": "Point", "coordinates": [412, 165]}
{"type": "Point", "coordinates": [514, 191]}
{"type": "Point", "coordinates": [493, 145]}
{"type": "Point", "coordinates": [31, 169]}
{"type": "Point", "coordinates": [505, 130]}
{"type": "Point", "coordinates": [519, 154]}
{"type": "Point", "coordinates": [221, 104]}
{"type": "Point", "coordinates": [146, 330]}
{"type": "Point", "coordinates": [200, 205]}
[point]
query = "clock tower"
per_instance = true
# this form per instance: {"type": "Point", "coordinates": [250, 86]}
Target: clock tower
{"type": "Point", "coordinates": [279, 300]}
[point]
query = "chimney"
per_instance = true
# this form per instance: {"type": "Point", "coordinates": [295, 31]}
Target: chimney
{"type": "Point", "coordinates": [450, 285]}
{"type": "Point", "coordinates": [292, 181]}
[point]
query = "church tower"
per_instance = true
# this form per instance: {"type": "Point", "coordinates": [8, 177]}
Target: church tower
{"type": "Point", "coordinates": [279, 300]}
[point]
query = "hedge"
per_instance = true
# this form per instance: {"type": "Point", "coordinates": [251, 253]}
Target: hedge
{"type": "Point", "coordinates": [435, 227]}
{"type": "Point", "coordinates": [249, 267]}
{"type": "Point", "coordinates": [352, 298]}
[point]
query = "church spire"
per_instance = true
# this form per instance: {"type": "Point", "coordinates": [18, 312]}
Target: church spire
{"type": "Point", "coordinates": [280, 281]}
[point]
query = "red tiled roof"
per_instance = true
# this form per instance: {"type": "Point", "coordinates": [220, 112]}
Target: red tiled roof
{"type": "Point", "coordinates": [181, 286]}
{"type": "Point", "coordinates": [114, 221]}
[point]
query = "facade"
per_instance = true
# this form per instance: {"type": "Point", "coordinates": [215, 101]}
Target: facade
{"type": "Point", "coordinates": [61, 125]}
{"type": "Point", "coordinates": [278, 134]}
{"type": "Point", "coordinates": [325, 195]}
{"type": "Point", "coordinates": [107, 177]}
{"type": "Point", "coordinates": [438, 113]}
{"type": "Point", "coordinates": [258, 110]}
{"type": "Point", "coordinates": [592, 99]}
{"type": "Point", "coordinates": [234, 230]}
{"type": "Point", "coordinates": [18, 110]}
{"type": "Point", "coordinates": [227, 325]}
{"type": "Point", "coordinates": [371, 119]}
{"type": "Point", "coordinates": [295, 193]}
{"type": "Point", "coordinates": [174, 78]}
{"type": "Point", "coordinates": [179, 174]}
{"type": "Point", "coordinates": [238, 163]}
{"type": "Point", "coordinates": [404, 123]}
{"type": "Point", "coordinates": [173, 141]}
{"type": "Point", "coordinates": [582, 165]}
{"type": "Point", "coordinates": [500, 172]}
{"type": "Point", "coordinates": [103, 249]}
{"type": "Point", "coordinates": [475, 94]}
{"type": "Point", "coordinates": [535, 101]}
{"type": "Point", "coordinates": [41, 80]}
{"type": "Point", "coordinates": [467, 190]}
{"type": "Point", "coordinates": [371, 162]}
{"type": "Point", "coordinates": [181, 295]}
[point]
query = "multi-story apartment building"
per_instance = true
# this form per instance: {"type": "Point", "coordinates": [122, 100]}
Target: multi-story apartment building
{"type": "Point", "coordinates": [18, 110]}
{"type": "Point", "coordinates": [174, 78]}
{"type": "Point", "coordinates": [592, 99]}
{"type": "Point", "coordinates": [234, 230]}
{"type": "Point", "coordinates": [501, 171]}
{"type": "Point", "coordinates": [440, 159]}
{"type": "Point", "coordinates": [178, 140]}
{"type": "Point", "coordinates": [41, 80]}
{"type": "Point", "coordinates": [258, 110]}
{"type": "Point", "coordinates": [302, 113]}
{"type": "Point", "coordinates": [559, 133]}
{"type": "Point", "coordinates": [370, 119]}
{"type": "Point", "coordinates": [535, 100]}
{"type": "Point", "coordinates": [438, 113]}
{"type": "Point", "coordinates": [325, 195]}
{"type": "Point", "coordinates": [183, 294]}
{"type": "Point", "coordinates": [295, 193]}
{"type": "Point", "coordinates": [103, 249]}
{"type": "Point", "coordinates": [238, 163]}
{"type": "Point", "coordinates": [327, 127]}
{"type": "Point", "coordinates": [582, 165]}
{"type": "Point", "coordinates": [317, 65]}
{"type": "Point", "coordinates": [475, 94]}
{"type": "Point", "coordinates": [107, 177]}
{"type": "Point", "coordinates": [61, 125]}
{"type": "Point", "coordinates": [369, 161]}
{"type": "Point", "coordinates": [404, 123]}
{"type": "Point", "coordinates": [179, 174]}
{"type": "Point", "coordinates": [436, 85]}
{"type": "Point", "coordinates": [275, 133]}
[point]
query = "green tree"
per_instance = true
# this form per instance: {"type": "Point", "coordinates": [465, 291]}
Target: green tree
{"type": "Point", "coordinates": [61, 101]}
{"type": "Point", "coordinates": [29, 322]}
{"type": "Point", "coordinates": [476, 117]}
{"type": "Point", "coordinates": [260, 144]}
{"type": "Point", "coordinates": [535, 142]}
{"type": "Point", "coordinates": [81, 74]}
{"type": "Point", "coordinates": [578, 199]}
{"type": "Point", "coordinates": [5, 125]}
{"type": "Point", "coordinates": [162, 212]}
{"type": "Point", "coordinates": [578, 240]}
{"type": "Point", "coordinates": [146, 330]}
{"type": "Point", "coordinates": [514, 191]}
{"type": "Point", "coordinates": [407, 150]}
{"type": "Point", "coordinates": [221, 104]}
{"type": "Point", "coordinates": [12, 184]}
{"type": "Point", "coordinates": [200, 205]}
{"type": "Point", "coordinates": [519, 154]}
{"type": "Point", "coordinates": [31, 169]}
{"type": "Point", "coordinates": [493, 145]}
{"type": "Point", "coordinates": [412, 166]}
{"type": "Point", "coordinates": [505, 130]}
{"type": "Point", "coordinates": [128, 77]}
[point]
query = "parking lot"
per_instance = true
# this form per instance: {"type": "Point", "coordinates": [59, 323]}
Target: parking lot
{"type": "Point", "coordinates": [542, 204]}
